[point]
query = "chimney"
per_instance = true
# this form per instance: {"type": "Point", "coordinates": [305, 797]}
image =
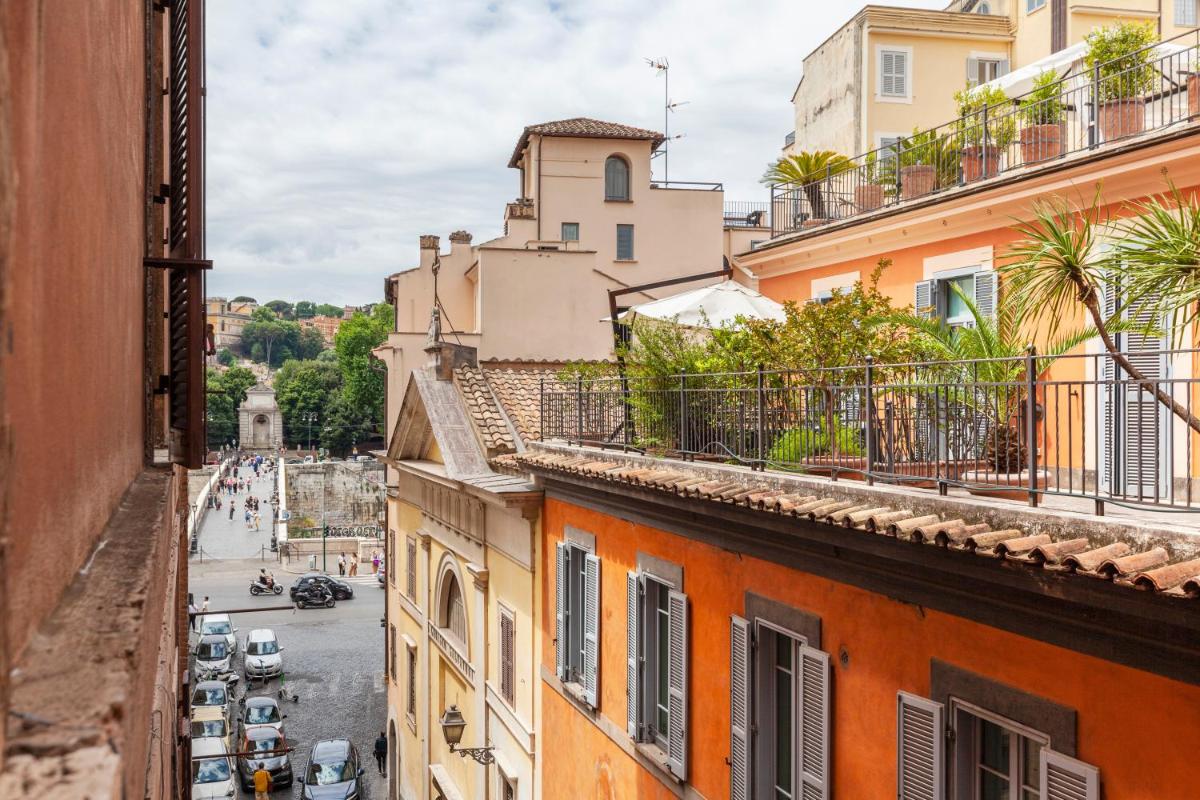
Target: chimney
{"type": "Point", "coordinates": [460, 241]}
{"type": "Point", "coordinates": [429, 249]}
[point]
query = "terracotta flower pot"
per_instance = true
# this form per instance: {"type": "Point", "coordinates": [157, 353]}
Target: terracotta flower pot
{"type": "Point", "coordinates": [980, 161]}
{"type": "Point", "coordinates": [1006, 485]}
{"type": "Point", "coordinates": [1121, 118]}
{"type": "Point", "coordinates": [916, 180]}
{"type": "Point", "coordinates": [1193, 91]}
{"type": "Point", "coordinates": [868, 197]}
{"type": "Point", "coordinates": [1041, 143]}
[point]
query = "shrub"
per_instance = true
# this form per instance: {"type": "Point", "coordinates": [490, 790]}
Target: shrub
{"type": "Point", "coordinates": [1125, 62]}
{"type": "Point", "coordinates": [798, 444]}
{"type": "Point", "coordinates": [1043, 105]}
{"type": "Point", "coordinates": [972, 103]}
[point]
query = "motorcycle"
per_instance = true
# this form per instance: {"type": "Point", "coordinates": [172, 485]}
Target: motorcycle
{"type": "Point", "coordinates": [314, 595]}
{"type": "Point", "coordinates": [257, 587]}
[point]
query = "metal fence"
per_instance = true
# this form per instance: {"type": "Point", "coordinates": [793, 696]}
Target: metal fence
{"type": "Point", "coordinates": [746, 214]}
{"type": "Point", "coordinates": [1003, 427]}
{"type": "Point", "coordinates": [1092, 108]}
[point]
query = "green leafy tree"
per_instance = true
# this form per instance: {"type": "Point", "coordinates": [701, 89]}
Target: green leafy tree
{"type": "Point", "coordinates": [282, 308]}
{"type": "Point", "coordinates": [345, 426]}
{"type": "Point", "coordinates": [327, 310]}
{"type": "Point", "coordinates": [305, 387]}
{"type": "Point", "coordinates": [238, 381]}
{"type": "Point", "coordinates": [363, 379]}
{"type": "Point", "coordinates": [225, 357]}
{"type": "Point", "coordinates": [806, 170]}
{"type": "Point", "coordinates": [269, 339]}
{"type": "Point", "coordinates": [309, 344]}
{"type": "Point", "coordinates": [305, 309]}
{"type": "Point", "coordinates": [222, 410]}
{"type": "Point", "coordinates": [1124, 58]}
{"type": "Point", "coordinates": [241, 298]}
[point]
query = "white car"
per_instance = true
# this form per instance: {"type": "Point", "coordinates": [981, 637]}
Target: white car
{"type": "Point", "coordinates": [213, 694]}
{"type": "Point", "coordinates": [263, 656]}
{"type": "Point", "coordinates": [212, 776]}
{"type": "Point", "coordinates": [213, 658]}
{"type": "Point", "coordinates": [260, 712]}
{"type": "Point", "coordinates": [220, 624]}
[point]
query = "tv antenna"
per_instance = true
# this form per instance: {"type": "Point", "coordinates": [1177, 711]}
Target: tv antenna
{"type": "Point", "coordinates": [662, 66]}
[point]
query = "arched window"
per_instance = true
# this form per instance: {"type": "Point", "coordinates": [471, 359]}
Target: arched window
{"type": "Point", "coordinates": [616, 178]}
{"type": "Point", "coordinates": [452, 615]}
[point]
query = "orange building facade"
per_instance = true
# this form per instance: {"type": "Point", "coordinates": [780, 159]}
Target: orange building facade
{"type": "Point", "coordinates": [914, 671]}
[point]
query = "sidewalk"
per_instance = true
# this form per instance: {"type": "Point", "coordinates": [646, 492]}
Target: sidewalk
{"type": "Point", "coordinates": [223, 538]}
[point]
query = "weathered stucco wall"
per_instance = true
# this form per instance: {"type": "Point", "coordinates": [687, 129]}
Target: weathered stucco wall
{"type": "Point", "coordinates": [827, 104]}
{"type": "Point", "coordinates": [352, 495]}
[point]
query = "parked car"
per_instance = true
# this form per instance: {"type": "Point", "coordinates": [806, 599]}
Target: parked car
{"type": "Point", "coordinates": [210, 722]}
{"type": "Point", "coordinates": [263, 657]}
{"type": "Point", "coordinates": [264, 740]}
{"type": "Point", "coordinates": [219, 624]}
{"type": "Point", "coordinates": [341, 590]}
{"type": "Point", "coordinates": [212, 771]}
{"type": "Point", "coordinates": [332, 772]}
{"type": "Point", "coordinates": [213, 658]}
{"type": "Point", "coordinates": [214, 694]}
{"type": "Point", "coordinates": [261, 712]}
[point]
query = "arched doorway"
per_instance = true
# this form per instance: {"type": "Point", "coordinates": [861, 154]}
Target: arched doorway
{"type": "Point", "coordinates": [393, 766]}
{"type": "Point", "coordinates": [261, 434]}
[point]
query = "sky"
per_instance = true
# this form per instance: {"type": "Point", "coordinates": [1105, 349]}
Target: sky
{"type": "Point", "coordinates": [338, 131]}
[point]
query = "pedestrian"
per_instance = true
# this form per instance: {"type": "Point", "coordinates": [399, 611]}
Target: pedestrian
{"type": "Point", "coordinates": [353, 564]}
{"type": "Point", "coordinates": [375, 562]}
{"type": "Point", "coordinates": [232, 503]}
{"type": "Point", "coordinates": [247, 516]}
{"type": "Point", "coordinates": [342, 564]}
{"type": "Point", "coordinates": [204, 606]}
{"type": "Point", "coordinates": [257, 521]}
{"type": "Point", "coordinates": [192, 611]}
{"type": "Point", "coordinates": [262, 782]}
{"type": "Point", "coordinates": [381, 748]}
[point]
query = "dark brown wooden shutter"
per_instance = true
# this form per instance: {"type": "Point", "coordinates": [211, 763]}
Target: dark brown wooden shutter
{"type": "Point", "coordinates": [1058, 25]}
{"type": "Point", "coordinates": [508, 646]}
{"type": "Point", "coordinates": [187, 341]}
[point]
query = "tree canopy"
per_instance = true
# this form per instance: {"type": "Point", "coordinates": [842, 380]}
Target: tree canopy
{"type": "Point", "coordinates": [328, 310]}
{"type": "Point", "coordinates": [271, 340]}
{"type": "Point", "coordinates": [305, 309]}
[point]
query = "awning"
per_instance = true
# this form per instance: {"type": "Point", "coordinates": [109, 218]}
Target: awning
{"type": "Point", "coordinates": [709, 306]}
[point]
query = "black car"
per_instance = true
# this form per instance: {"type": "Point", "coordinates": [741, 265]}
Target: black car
{"type": "Point", "coordinates": [333, 772]}
{"type": "Point", "coordinates": [271, 744]}
{"type": "Point", "coordinates": [340, 589]}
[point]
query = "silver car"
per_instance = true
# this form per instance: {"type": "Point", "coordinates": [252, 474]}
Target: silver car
{"type": "Point", "coordinates": [220, 625]}
{"type": "Point", "coordinates": [213, 658]}
{"type": "Point", "coordinates": [263, 656]}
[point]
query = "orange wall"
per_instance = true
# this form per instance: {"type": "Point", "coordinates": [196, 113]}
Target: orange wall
{"type": "Point", "coordinates": [1144, 748]}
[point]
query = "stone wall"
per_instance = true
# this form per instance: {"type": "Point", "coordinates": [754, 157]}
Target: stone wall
{"type": "Point", "coordinates": [354, 493]}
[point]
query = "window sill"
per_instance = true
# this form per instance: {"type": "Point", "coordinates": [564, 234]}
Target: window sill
{"type": "Point", "coordinates": [625, 261]}
{"type": "Point", "coordinates": [617, 200]}
{"type": "Point", "coordinates": [887, 98]}
{"type": "Point", "coordinates": [575, 692]}
{"type": "Point", "coordinates": [658, 757]}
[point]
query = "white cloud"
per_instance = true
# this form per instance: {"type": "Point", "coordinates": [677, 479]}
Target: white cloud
{"type": "Point", "coordinates": [340, 130]}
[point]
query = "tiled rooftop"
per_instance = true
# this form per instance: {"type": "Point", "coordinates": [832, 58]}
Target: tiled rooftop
{"type": "Point", "coordinates": [585, 128]}
{"type": "Point", "coordinates": [485, 414]}
{"type": "Point", "coordinates": [1132, 563]}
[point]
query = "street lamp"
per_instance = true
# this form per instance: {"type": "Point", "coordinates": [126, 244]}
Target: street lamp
{"type": "Point", "coordinates": [453, 724]}
{"type": "Point", "coordinates": [309, 417]}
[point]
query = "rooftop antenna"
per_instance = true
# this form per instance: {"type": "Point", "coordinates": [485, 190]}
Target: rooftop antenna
{"type": "Point", "coordinates": [663, 67]}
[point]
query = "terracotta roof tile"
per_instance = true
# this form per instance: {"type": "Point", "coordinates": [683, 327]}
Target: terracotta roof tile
{"type": "Point", "coordinates": [519, 394]}
{"type": "Point", "coordinates": [1149, 570]}
{"type": "Point", "coordinates": [583, 128]}
{"type": "Point", "coordinates": [481, 407]}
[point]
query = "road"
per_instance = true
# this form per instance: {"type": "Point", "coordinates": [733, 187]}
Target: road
{"type": "Point", "coordinates": [333, 658]}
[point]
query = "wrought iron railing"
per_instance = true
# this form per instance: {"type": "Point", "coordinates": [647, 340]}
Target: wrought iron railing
{"type": "Point", "coordinates": [1090, 109]}
{"type": "Point", "coordinates": [703, 186]}
{"type": "Point", "coordinates": [1027, 427]}
{"type": "Point", "coordinates": [746, 214]}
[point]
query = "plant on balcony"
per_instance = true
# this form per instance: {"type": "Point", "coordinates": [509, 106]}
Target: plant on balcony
{"type": "Point", "coordinates": [986, 127]}
{"type": "Point", "coordinates": [927, 160]}
{"type": "Point", "coordinates": [1043, 114]}
{"type": "Point", "coordinates": [875, 179]}
{"type": "Point", "coordinates": [1057, 266]}
{"type": "Point", "coordinates": [808, 171]}
{"type": "Point", "coordinates": [798, 445]}
{"type": "Point", "coordinates": [1121, 57]}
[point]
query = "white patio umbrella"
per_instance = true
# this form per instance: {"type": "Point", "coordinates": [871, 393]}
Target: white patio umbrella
{"type": "Point", "coordinates": [708, 307]}
{"type": "Point", "coordinates": [1069, 61]}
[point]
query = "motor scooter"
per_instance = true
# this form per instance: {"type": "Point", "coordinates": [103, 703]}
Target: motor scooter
{"type": "Point", "coordinates": [258, 587]}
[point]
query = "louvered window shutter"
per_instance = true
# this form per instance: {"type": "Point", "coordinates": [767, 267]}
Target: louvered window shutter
{"type": "Point", "coordinates": [985, 292]}
{"type": "Point", "coordinates": [677, 700]}
{"type": "Point", "coordinates": [887, 69]}
{"type": "Point", "coordinates": [1002, 67]}
{"type": "Point", "coordinates": [633, 688]}
{"type": "Point", "coordinates": [921, 748]}
{"type": "Point", "coordinates": [1065, 778]}
{"type": "Point", "coordinates": [923, 299]}
{"type": "Point", "coordinates": [814, 723]}
{"type": "Point", "coordinates": [591, 630]}
{"type": "Point", "coordinates": [1108, 396]}
{"type": "Point", "coordinates": [740, 698]}
{"type": "Point", "coordinates": [561, 646]}
{"type": "Point", "coordinates": [1185, 12]}
{"type": "Point", "coordinates": [508, 637]}
{"type": "Point", "coordinates": [972, 71]}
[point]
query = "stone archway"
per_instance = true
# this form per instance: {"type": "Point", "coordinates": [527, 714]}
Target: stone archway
{"type": "Point", "coordinates": [393, 765]}
{"type": "Point", "coordinates": [261, 432]}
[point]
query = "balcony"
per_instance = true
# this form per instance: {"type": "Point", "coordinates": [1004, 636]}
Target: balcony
{"type": "Point", "coordinates": [1000, 428]}
{"type": "Point", "coordinates": [746, 214]}
{"type": "Point", "coordinates": [701, 186]}
{"type": "Point", "coordinates": [522, 208]}
{"type": "Point", "coordinates": [1087, 111]}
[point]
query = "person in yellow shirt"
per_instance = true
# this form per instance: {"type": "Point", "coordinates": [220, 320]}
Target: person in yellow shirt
{"type": "Point", "coordinates": [262, 782]}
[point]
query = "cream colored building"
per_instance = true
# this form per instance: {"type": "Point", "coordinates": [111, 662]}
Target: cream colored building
{"type": "Point", "coordinates": [228, 318]}
{"type": "Point", "coordinates": [463, 616]}
{"type": "Point", "coordinates": [889, 70]}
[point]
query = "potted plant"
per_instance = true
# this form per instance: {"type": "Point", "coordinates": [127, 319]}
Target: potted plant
{"type": "Point", "coordinates": [986, 127]}
{"type": "Point", "coordinates": [869, 193]}
{"type": "Point", "coordinates": [928, 160]}
{"type": "Point", "coordinates": [1122, 58]}
{"type": "Point", "coordinates": [1043, 113]}
{"type": "Point", "coordinates": [807, 171]}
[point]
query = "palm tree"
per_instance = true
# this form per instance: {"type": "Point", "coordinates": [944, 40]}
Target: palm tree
{"type": "Point", "coordinates": [1058, 265]}
{"type": "Point", "coordinates": [805, 170]}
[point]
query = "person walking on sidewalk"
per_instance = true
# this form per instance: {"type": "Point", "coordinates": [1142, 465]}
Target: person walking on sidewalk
{"type": "Point", "coordinates": [375, 562]}
{"type": "Point", "coordinates": [232, 504]}
{"type": "Point", "coordinates": [192, 611]}
{"type": "Point", "coordinates": [342, 564]}
{"type": "Point", "coordinates": [381, 745]}
{"type": "Point", "coordinates": [353, 564]}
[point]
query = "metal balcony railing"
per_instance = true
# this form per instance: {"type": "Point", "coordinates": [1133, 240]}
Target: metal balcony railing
{"type": "Point", "coordinates": [1089, 110]}
{"type": "Point", "coordinates": [1007, 427]}
{"type": "Point", "coordinates": [745, 214]}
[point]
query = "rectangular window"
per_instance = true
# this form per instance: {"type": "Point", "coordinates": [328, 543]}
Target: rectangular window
{"type": "Point", "coordinates": [624, 243]}
{"type": "Point", "coordinates": [994, 757]}
{"type": "Point", "coordinates": [570, 231]}
{"type": "Point", "coordinates": [411, 695]}
{"type": "Point", "coordinates": [893, 73]}
{"type": "Point", "coordinates": [657, 641]}
{"type": "Point", "coordinates": [1186, 13]}
{"type": "Point", "coordinates": [410, 570]}
{"type": "Point", "coordinates": [1033, 5]}
{"type": "Point", "coordinates": [946, 296]}
{"type": "Point", "coordinates": [508, 647]}
{"type": "Point", "coordinates": [982, 70]}
{"type": "Point", "coordinates": [577, 619]}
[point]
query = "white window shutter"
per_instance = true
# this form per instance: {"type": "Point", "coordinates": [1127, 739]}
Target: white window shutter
{"type": "Point", "coordinates": [1002, 67]}
{"type": "Point", "coordinates": [985, 292]}
{"type": "Point", "coordinates": [1185, 13]}
{"type": "Point", "coordinates": [560, 610]}
{"type": "Point", "coordinates": [923, 300]}
{"type": "Point", "coordinates": [921, 749]}
{"type": "Point", "coordinates": [900, 76]}
{"type": "Point", "coordinates": [887, 68]}
{"type": "Point", "coordinates": [677, 679]}
{"type": "Point", "coordinates": [633, 684]}
{"type": "Point", "coordinates": [1065, 778]}
{"type": "Point", "coordinates": [814, 698]}
{"type": "Point", "coordinates": [591, 630]}
{"type": "Point", "coordinates": [740, 698]}
{"type": "Point", "coordinates": [972, 71]}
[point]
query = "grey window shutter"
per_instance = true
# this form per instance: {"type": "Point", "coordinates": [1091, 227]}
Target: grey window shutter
{"type": "Point", "coordinates": [900, 73]}
{"type": "Point", "coordinates": [972, 71]}
{"type": "Point", "coordinates": [1002, 67]}
{"type": "Point", "coordinates": [923, 300]}
{"type": "Point", "coordinates": [677, 678]}
{"type": "Point", "coordinates": [633, 700]}
{"type": "Point", "coordinates": [1065, 778]}
{"type": "Point", "coordinates": [920, 747]}
{"type": "Point", "coordinates": [814, 723]}
{"type": "Point", "coordinates": [740, 698]}
{"type": "Point", "coordinates": [1185, 13]}
{"type": "Point", "coordinates": [591, 630]}
{"type": "Point", "coordinates": [560, 611]}
{"type": "Point", "coordinates": [887, 86]}
{"type": "Point", "coordinates": [985, 292]}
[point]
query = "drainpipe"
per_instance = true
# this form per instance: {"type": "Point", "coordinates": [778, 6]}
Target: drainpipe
{"type": "Point", "coordinates": [538, 208]}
